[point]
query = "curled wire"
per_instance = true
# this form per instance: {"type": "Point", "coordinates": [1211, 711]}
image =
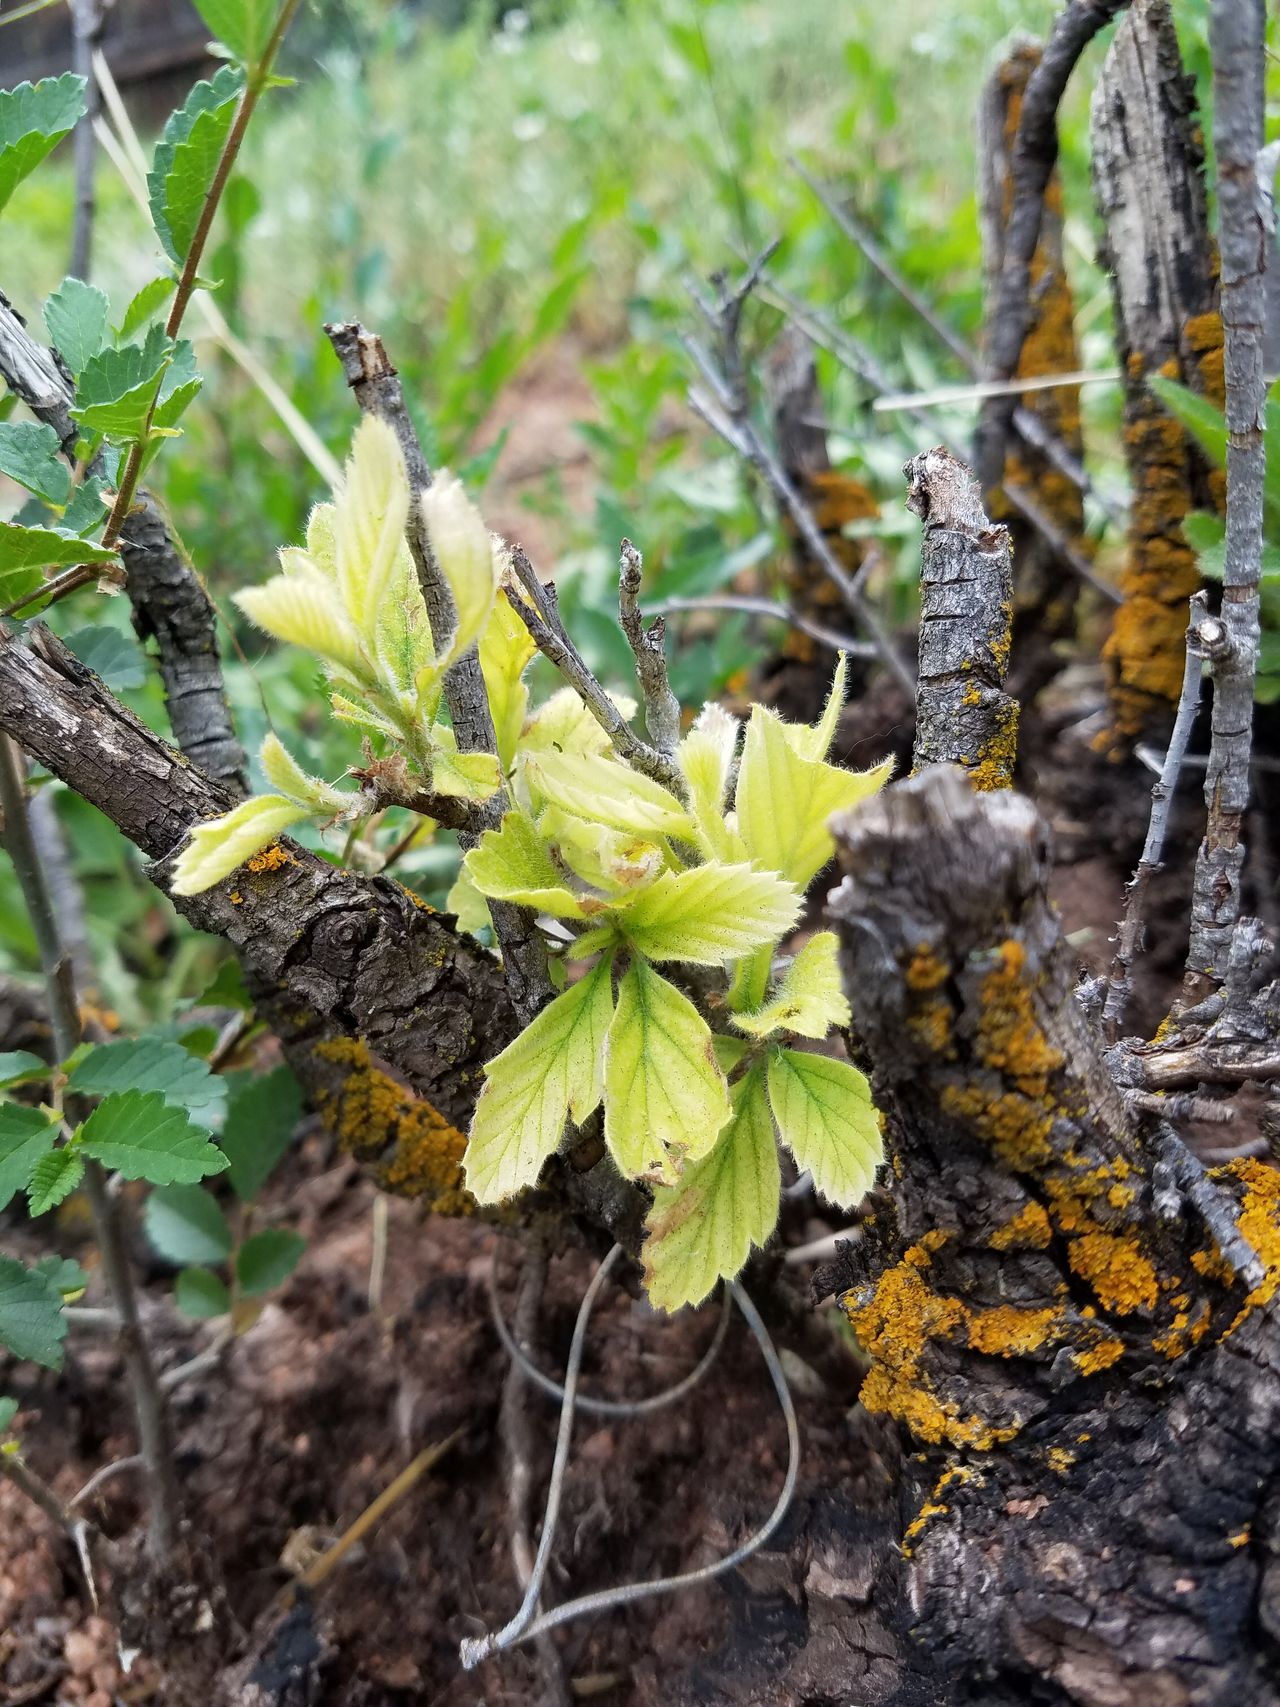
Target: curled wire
{"type": "Point", "coordinates": [528, 1623]}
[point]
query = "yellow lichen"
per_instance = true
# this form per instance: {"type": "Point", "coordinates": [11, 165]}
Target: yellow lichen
{"type": "Point", "coordinates": [1121, 1275]}
{"type": "Point", "coordinates": [1028, 1230]}
{"type": "Point", "coordinates": [1061, 1458]}
{"type": "Point", "coordinates": [270, 859]}
{"type": "Point", "coordinates": [925, 970]}
{"type": "Point", "coordinates": [236, 898]}
{"type": "Point", "coordinates": [1101, 1354]}
{"type": "Point", "coordinates": [1010, 1331]}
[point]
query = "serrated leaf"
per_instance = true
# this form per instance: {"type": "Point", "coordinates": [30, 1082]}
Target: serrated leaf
{"type": "Point", "coordinates": [153, 1064]}
{"type": "Point", "coordinates": [145, 302]}
{"type": "Point", "coordinates": [615, 862]}
{"type": "Point", "coordinates": [179, 386]}
{"type": "Point", "coordinates": [20, 1067]}
{"type": "Point", "coordinates": [809, 1000]}
{"type": "Point", "coordinates": [138, 1135]}
{"type": "Point", "coordinates": [26, 1134]}
{"type": "Point", "coordinates": [86, 512]}
{"type": "Point", "coordinates": [200, 1293]}
{"type": "Point", "coordinates": [8, 1410]}
{"type": "Point", "coordinates": [304, 611]}
{"type": "Point", "coordinates": [115, 392]}
{"type": "Point", "coordinates": [115, 657]}
{"type": "Point", "coordinates": [665, 1098]}
{"type": "Point", "coordinates": [706, 756]}
{"type": "Point", "coordinates": [186, 159]}
{"type": "Point", "coordinates": [54, 1177]}
{"type": "Point", "coordinates": [219, 847]}
{"type": "Point", "coordinates": [709, 916]}
{"type": "Point", "coordinates": [464, 776]}
{"type": "Point", "coordinates": [242, 25]}
{"type": "Point", "coordinates": [34, 118]}
{"type": "Point", "coordinates": [564, 725]}
{"type": "Point", "coordinates": [784, 800]}
{"type": "Point", "coordinates": [506, 649]}
{"type": "Point", "coordinates": [23, 549]}
{"type": "Point", "coordinates": [31, 1321]}
{"type": "Point", "coordinates": [30, 454]}
{"type": "Point", "coordinates": [813, 740]}
{"type": "Point", "coordinates": [1195, 414]}
{"type": "Point", "coordinates": [186, 1226]}
{"type": "Point", "coordinates": [827, 1120]}
{"type": "Point", "coordinates": [261, 1118]}
{"type": "Point", "coordinates": [76, 315]}
{"type": "Point", "coordinates": [512, 863]}
{"type": "Point", "coordinates": [267, 1260]}
{"type": "Point", "coordinates": [552, 1072]}
{"type": "Point", "coordinates": [701, 1229]}
{"type": "Point", "coordinates": [287, 776]}
{"type": "Point", "coordinates": [605, 791]}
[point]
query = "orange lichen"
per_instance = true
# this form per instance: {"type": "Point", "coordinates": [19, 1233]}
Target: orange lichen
{"type": "Point", "coordinates": [1028, 1230]}
{"type": "Point", "coordinates": [1061, 1458]}
{"type": "Point", "coordinates": [1101, 1354]}
{"type": "Point", "coordinates": [931, 1025]}
{"type": "Point", "coordinates": [926, 970]}
{"type": "Point", "coordinates": [1016, 1126]}
{"type": "Point", "coordinates": [1011, 1038]}
{"type": "Point", "coordinates": [997, 756]}
{"type": "Point", "coordinates": [1184, 1332]}
{"type": "Point", "coordinates": [1008, 1331]}
{"type": "Point", "coordinates": [1121, 1275]}
{"type": "Point", "coordinates": [236, 898]}
{"type": "Point", "coordinates": [270, 859]}
{"type": "Point", "coordinates": [1259, 1225]}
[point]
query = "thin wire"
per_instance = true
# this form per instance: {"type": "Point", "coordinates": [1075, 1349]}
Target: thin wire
{"type": "Point", "coordinates": [524, 1626]}
{"type": "Point", "coordinates": [604, 1407]}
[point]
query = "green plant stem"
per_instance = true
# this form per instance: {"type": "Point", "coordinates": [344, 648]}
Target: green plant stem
{"type": "Point", "coordinates": [154, 1432]}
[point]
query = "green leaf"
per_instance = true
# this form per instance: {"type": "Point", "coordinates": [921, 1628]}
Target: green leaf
{"type": "Point", "coordinates": [512, 863]}
{"type": "Point", "coordinates": [26, 1134]}
{"type": "Point", "coordinates": [199, 1292]}
{"type": "Point", "coordinates": [31, 1321]}
{"type": "Point", "coordinates": [146, 302]}
{"type": "Point", "coordinates": [1195, 414]}
{"type": "Point", "coordinates": [1206, 534]}
{"type": "Point", "coordinates": [65, 1275]}
{"type": "Point", "coordinates": [31, 454]}
{"type": "Point", "coordinates": [242, 25]}
{"type": "Point", "coordinates": [54, 1177]}
{"type": "Point", "coordinates": [8, 1410]}
{"type": "Point", "coordinates": [605, 791]}
{"type": "Point", "coordinates": [665, 1098]}
{"type": "Point", "coordinates": [701, 1229]}
{"type": "Point", "coordinates": [267, 1260]}
{"type": "Point", "coordinates": [86, 512]}
{"type": "Point", "coordinates": [261, 1118]}
{"type": "Point", "coordinates": [287, 777]}
{"type": "Point", "coordinates": [116, 390]}
{"type": "Point", "coordinates": [186, 159]}
{"type": "Point", "coordinates": [709, 916]}
{"type": "Point", "coordinates": [150, 1064]}
{"type": "Point", "coordinates": [20, 1067]}
{"type": "Point", "coordinates": [553, 1071]}
{"type": "Point", "coordinates": [506, 649]}
{"type": "Point", "coordinates": [34, 118]}
{"type": "Point", "coordinates": [40, 548]}
{"type": "Point", "coordinates": [76, 315]}
{"type": "Point", "coordinates": [809, 1000]}
{"type": "Point", "coordinates": [813, 741]}
{"type": "Point", "coordinates": [785, 800]}
{"type": "Point", "coordinates": [827, 1120]}
{"type": "Point", "coordinates": [220, 846]}
{"type": "Point", "coordinates": [179, 386]}
{"type": "Point", "coordinates": [119, 660]}
{"type": "Point", "coordinates": [185, 1225]}
{"type": "Point", "coordinates": [706, 755]}
{"type": "Point", "coordinates": [135, 1133]}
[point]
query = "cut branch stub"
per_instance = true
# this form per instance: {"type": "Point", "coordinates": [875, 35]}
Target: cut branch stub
{"type": "Point", "coordinates": [963, 715]}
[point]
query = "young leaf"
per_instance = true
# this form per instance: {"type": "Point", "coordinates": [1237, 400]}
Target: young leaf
{"type": "Point", "coordinates": [813, 741]}
{"type": "Point", "coordinates": [466, 555]}
{"type": "Point", "coordinates": [54, 1177]}
{"type": "Point", "coordinates": [665, 1098]}
{"type": "Point", "coordinates": [465, 776]}
{"type": "Point", "coordinates": [153, 1064]}
{"type": "Point", "coordinates": [34, 118]}
{"type": "Point", "coordinates": [706, 755]}
{"type": "Point", "coordinates": [1205, 423]}
{"type": "Point", "coordinates": [19, 1067]}
{"type": "Point", "coordinates": [827, 1120]}
{"type": "Point", "coordinates": [218, 847]}
{"type": "Point", "coordinates": [267, 1260]}
{"type": "Point", "coordinates": [76, 315]}
{"type": "Point", "coordinates": [242, 25]}
{"type": "Point", "coordinates": [179, 385]}
{"type": "Point", "coordinates": [809, 1000]}
{"type": "Point", "coordinates": [139, 1136]}
{"type": "Point", "coordinates": [87, 511]}
{"type": "Point", "coordinates": [185, 1225]}
{"type": "Point", "coordinates": [186, 158]}
{"type": "Point", "coordinates": [29, 454]}
{"type": "Point", "coordinates": [115, 657]}
{"type": "Point", "coordinates": [701, 1229]}
{"type": "Point", "coordinates": [115, 392]}
{"type": "Point", "coordinates": [710, 915]}
{"type": "Point", "coordinates": [551, 1072]}
{"type": "Point", "coordinates": [303, 610]}
{"type": "Point", "coordinates": [31, 1321]}
{"type": "Point", "coordinates": [198, 1292]}
{"type": "Point", "coordinates": [606, 792]}
{"type": "Point", "coordinates": [146, 302]}
{"type": "Point", "coordinates": [511, 863]}
{"type": "Point", "coordinates": [261, 1118]}
{"type": "Point", "coordinates": [615, 862]}
{"type": "Point", "coordinates": [785, 800]}
{"type": "Point", "coordinates": [368, 518]}
{"type": "Point", "coordinates": [506, 647]}
{"type": "Point", "coordinates": [26, 1134]}
{"type": "Point", "coordinates": [285, 774]}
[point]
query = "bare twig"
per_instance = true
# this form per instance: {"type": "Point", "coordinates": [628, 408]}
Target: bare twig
{"type": "Point", "coordinates": [1247, 224]}
{"type": "Point", "coordinates": [86, 20]}
{"type": "Point", "coordinates": [661, 707]}
{"type": "Point", "coordinates": [749, 605]}
{"type": "Point", "coordinates": [107, 1473]}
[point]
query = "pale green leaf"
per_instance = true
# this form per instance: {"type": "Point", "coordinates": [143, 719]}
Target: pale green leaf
{"type": "Point", "coordinates": [153, 1064]}
{"type": "Point", "coordinates": [468, 557]}
{"type": "Point", "coordinates": [665, 1098]}
{"type": "Point", "coordinates": [564, 725]}
{"type": "Point", "coordinates": [809, 1000]}
{"type": "Point", "coordinates": [304, 611]}
{"type": "Point", "coordinates": [605, 791]}
{"type": "Point", "coordinates": [552, 1072]}
{"type": "Point", "coordinates": [465, 776]}
{"type": "Point", "coordinates": [512, 863]}
{"type": "Point", "coordinates": [34, 118]}
{"type": "Point", "coordinates": [287, 777]}
{"type": "Point", "coordinates": [200, 1293]}
{"type": "Point", "coordinates": [709, 916]}
{"type": "Point", "coordinates": [813, 741]}
{"type": "Point", "coordinates": [137, 1134]}
{"type": "Point", "coordinates": [242, 25]}
{"type": "Point", "coordinates": [20, 1067]}
{"type": "Point", "coordinates": [30, 454]}
{"type": "Point", "coordinates": [115, 391]}
{"type": "Point", "coordinates": [706, 756]}
{"type": "Point", "coordinates": [261, 1118]}
{"type": "Point", "coordinates": [267, 1259]}
{"type": "Point", "coordinates": [368, 518]}
{"type": "Point", "coordinates": [701, 1229]}
{"type": "Point", "coordinates": [186, 159]}
{"type": "Point", "coordinates": [827, 1120]}
{"type": "Point", "coordinates": [144, 303]}
{"type": "Point", "coordinates": [54, 1177]}
{"type": "Point", "coordinates": [506, 648]}
{"type": "Point", "coordinates": [615, 862]}
{"type": "Point", "coordinates": [26, 1134]}
{"type": "Point", "coordinates": [31, 1321]}
{"type": "Point", "coordinates": [76, 315]}
{"type": "Point", "coordinates": [185, 1225]}
{"type": "Point", "coordinates": [218, 847]}
{"type": "Point", "coordinates": [468, 905]}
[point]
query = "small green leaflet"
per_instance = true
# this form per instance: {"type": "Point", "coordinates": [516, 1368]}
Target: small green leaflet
{"type": "Point", "coordinates": [200, 1293]}
{"type": "Point", "coordinates": [219, 846]}
{"type": "Point", "coordinates": [149, 1064]}
{"type": "Point", "coordinates": [180, 384]}
{"type": "Point", "coordinates": [261, 1117]}
{"type": "Point", "coordinates": [701, 1229]}
{"type": "Point", "coordinates": [137, 1135]}
{"type": "Point", "coordinates": [665, 1097]}
{"type": "Point", "coordinates": [86, 512]}
{"type": "Point", "coordinates": [185, 1225]}
{"type": "Point", "coordinates": [1195, 414]}
{"type": "Point", "coordinates": [148, 301]}
{"type": "Point", "coordinates": [827, 1120]}
{"type": "Point", "coordinates": [31, 455]}
{"type": "Point", "coordinates": [606, 792]}
{"type": "Point", "coordinates": [34, 118]}
{"type": "Point", "coordinates": [26, 1134]}
{"type": "Point", "coordinates": [710, 915]}
{"type": "Point", "coordinates": [186, 159]}
{"type": "Point", "coordinates": [76, 315]}
{"type": "Point", "coordinates": [54, 1177]}
{"type": "Point", "coordinates": [115, 392]}
{"type": "Point", "coordinates": [8, 1410]}
{"type": "Point", "coordinates": [267, 1260]}
{"type": "Point", "coordinates": [65, 1276]}
{"type": "Point", "coordinates": [809, 1000]}
{"type": "Point", "coordinates": [242, 25]}
{"type": "Point", "coordinates": [20, 1066]}
{"type": "Point", "coordinates": [31, 1321]}
{"type": "Point", "coordinates": [550, 1073]}
{"type": "Point", "coordinates": [511, 863]}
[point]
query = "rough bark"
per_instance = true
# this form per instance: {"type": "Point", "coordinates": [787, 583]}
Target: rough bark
{"type": "Point", "coordinates": [1148, 169]}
